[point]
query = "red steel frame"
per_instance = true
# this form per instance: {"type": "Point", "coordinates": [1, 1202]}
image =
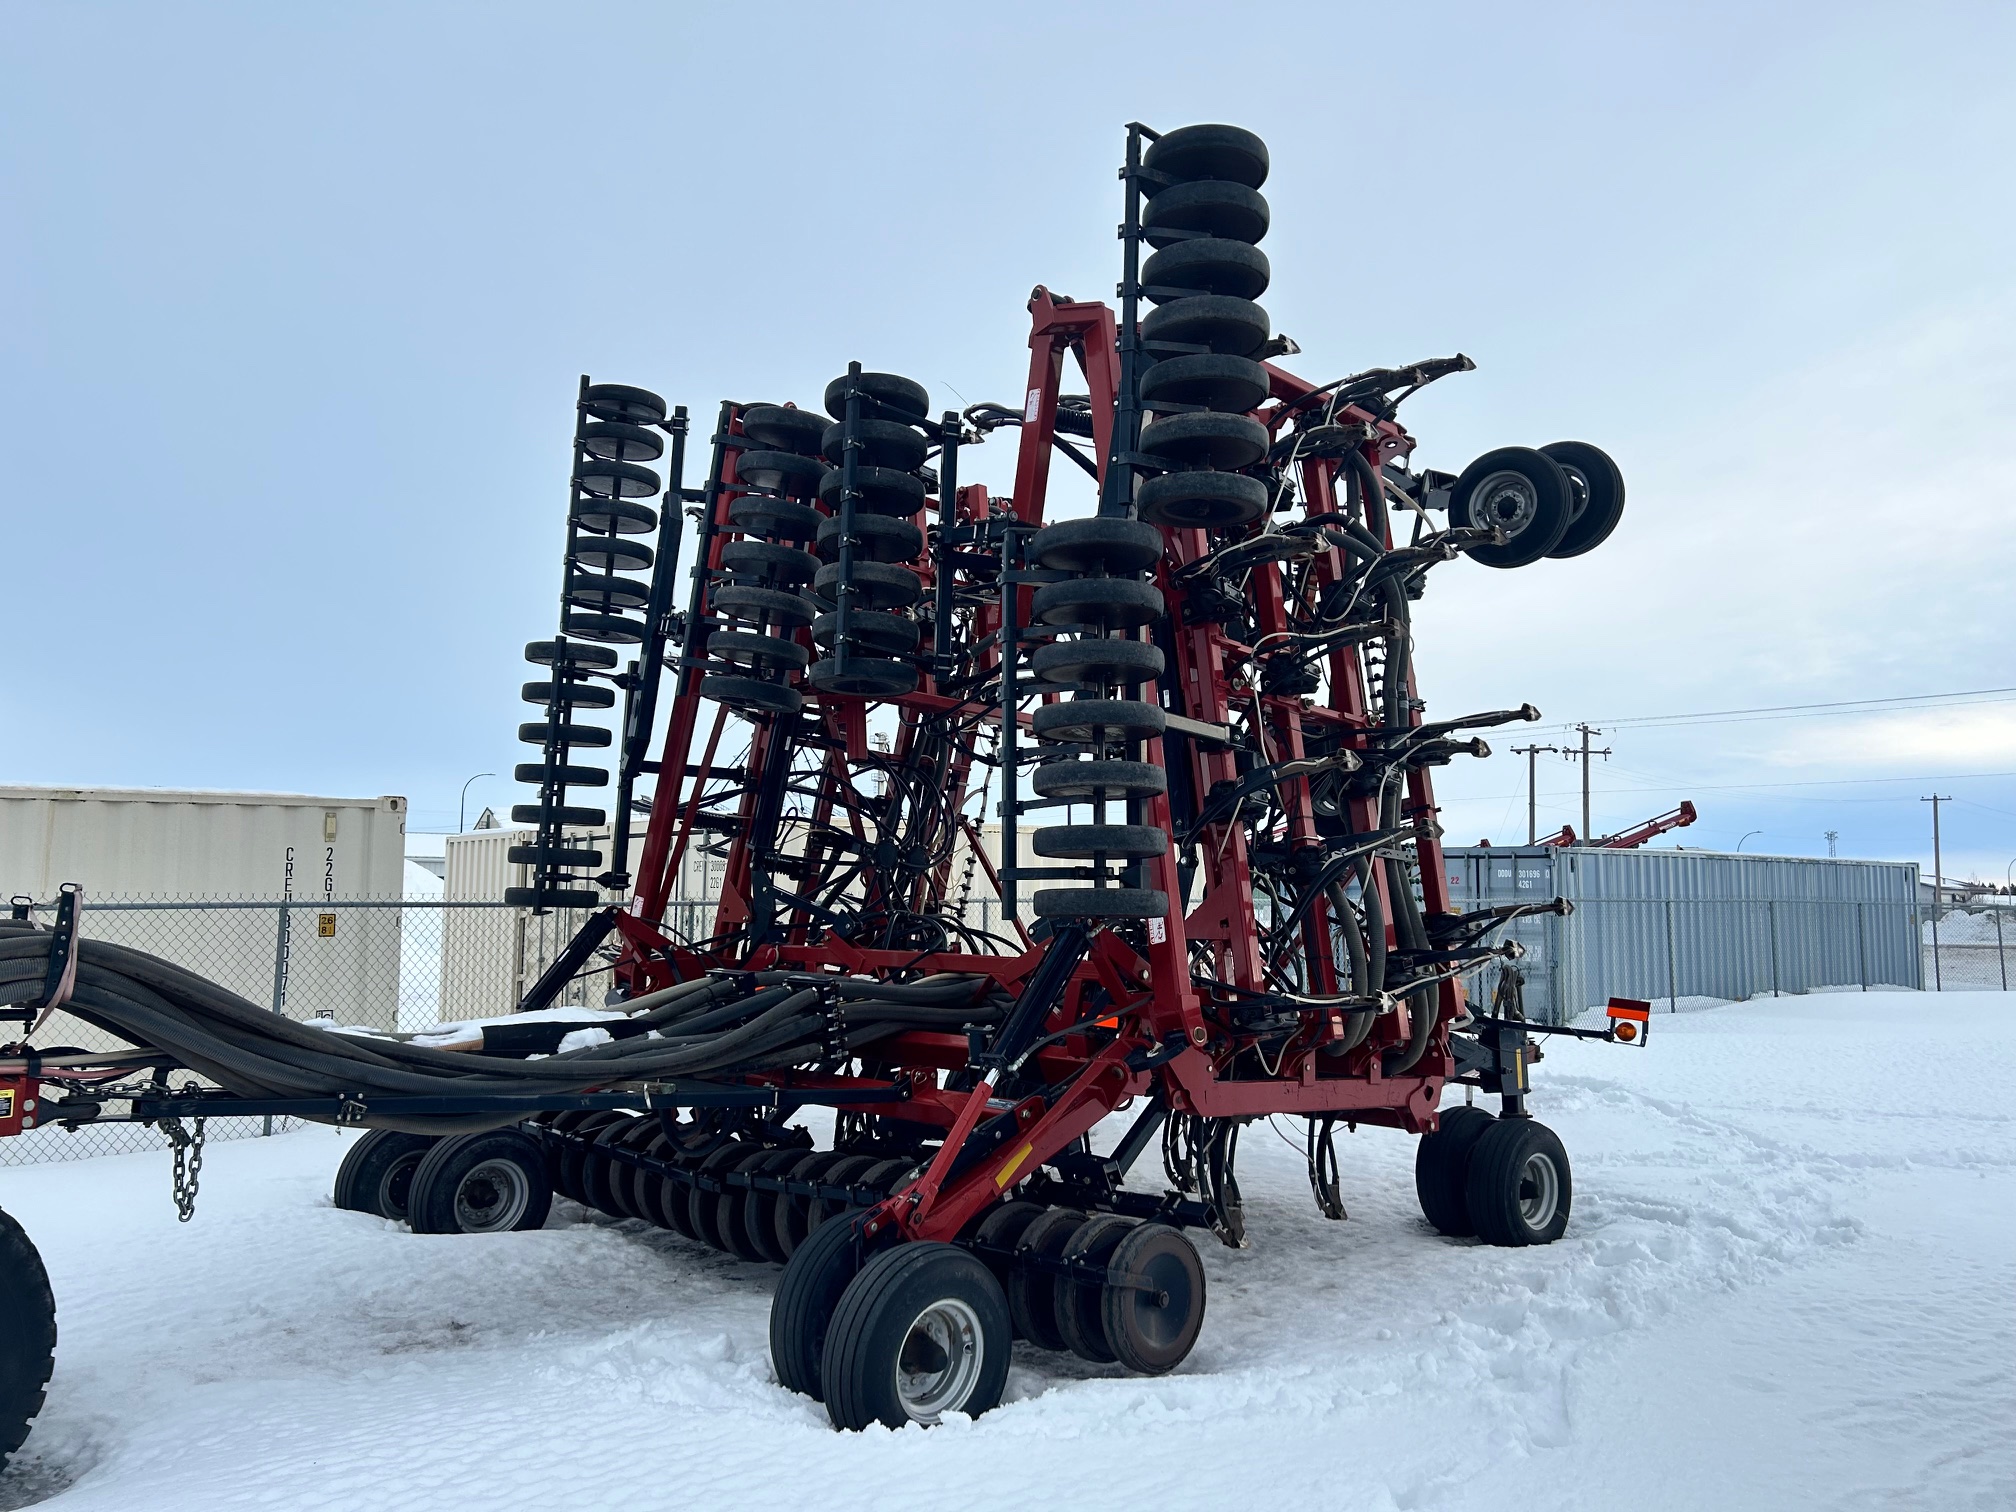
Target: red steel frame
{"type": "Point", "coordinates": [1153, 998]}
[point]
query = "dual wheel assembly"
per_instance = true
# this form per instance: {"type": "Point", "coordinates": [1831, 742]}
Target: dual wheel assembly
{"type": "Point", "coordinates": [1503, 1180]}
{"type": "Point", "coordinates": [489, 1183]}
{"type": "Point", "coordinates": [908, 1332]}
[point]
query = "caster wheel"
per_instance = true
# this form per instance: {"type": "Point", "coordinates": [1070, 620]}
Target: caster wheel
{"type": "Point", "coordinates": [921, 1331]}
{"type": "Point", "coordinates": [376, 1176]}
{"type": "Point", "coordinates": [490, 1183]}
{"type": "Point", "coordinates": [1519, 1188]}
{"type": "Point", "coordinates": [801, 1311]}
{"type": "Point", "coordinates": [1523, 492]}
{"type": "Point", "coordinates": [1442, 1166]}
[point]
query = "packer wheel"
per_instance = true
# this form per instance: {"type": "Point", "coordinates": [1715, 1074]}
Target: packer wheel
{"type": "Point", "coordinates": [1080, 1305]}
{"type": "Point", "coordinates": [376, 1175]}
{"type": "Point", "coordinates": [1032, 1298]}
{"type": "Point", "coordinates": [794, 1212]}
{"type": "Point", "coordinates": [920, 1332]}
{"type": "Point", "coordinates": [490, 1183]}
{"type": "Point", "coordinates": [27, 1335]}
{"type": "Point", "coordinates": [1152, 1331]}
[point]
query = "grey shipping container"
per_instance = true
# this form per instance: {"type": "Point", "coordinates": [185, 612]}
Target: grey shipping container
{"type": "Point", "coordinates": [1671, 924]}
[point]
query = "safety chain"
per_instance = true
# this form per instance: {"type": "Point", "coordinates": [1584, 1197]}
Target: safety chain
{"type": "Point", "coordinates": [188, 1148]}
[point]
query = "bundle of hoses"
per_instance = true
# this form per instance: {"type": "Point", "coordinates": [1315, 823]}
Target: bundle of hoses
{"type": "Point", "coordinates": [722, 1024]}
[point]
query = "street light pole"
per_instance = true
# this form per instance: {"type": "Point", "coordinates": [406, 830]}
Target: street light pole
{"type": "Point", "coordinates": [462, 811]}
{"type": "Point", "coordinates": [1739, 843]}
{"type": "Point", "coordinates": [1938, 890]}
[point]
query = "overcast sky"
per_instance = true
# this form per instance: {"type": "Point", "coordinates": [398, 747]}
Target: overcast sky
{"type": "Point", "coordinates": [296, 298]}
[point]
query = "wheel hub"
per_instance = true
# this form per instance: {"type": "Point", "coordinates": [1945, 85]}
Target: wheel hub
{"type": "Point", "coordinates": [1539, 1191]}
{"type": "Point", "coordinates": [491, 1198]}
{"type": "Point", "coordinates": [1507, 499]}
{"type": "Point", "coordinates": [940, 1360]}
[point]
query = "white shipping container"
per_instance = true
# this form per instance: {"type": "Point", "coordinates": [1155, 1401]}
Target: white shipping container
{"type": "Point", "coordinates": [162, 847]}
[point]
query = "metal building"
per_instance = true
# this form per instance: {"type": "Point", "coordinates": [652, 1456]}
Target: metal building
{"type": "Point", "coordinates": [1671, 924]}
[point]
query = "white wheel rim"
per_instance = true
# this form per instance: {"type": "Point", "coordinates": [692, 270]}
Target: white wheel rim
{"type": "Point", "coordinates": [1506, 499]}
{"type": "Point", "coordinates": [492, 1197]}
{"type": "Point", "coordinates": [1539, 1191]}
{"type": "Point", "coordinates": [939, 1363]}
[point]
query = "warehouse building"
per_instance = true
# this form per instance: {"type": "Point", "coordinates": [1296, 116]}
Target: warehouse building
{"type": "Point", "coordinates": [1671, 924]}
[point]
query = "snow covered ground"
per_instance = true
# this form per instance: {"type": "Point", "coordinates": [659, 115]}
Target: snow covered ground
{"type": "Point", "coordinates": [1788, 1284]}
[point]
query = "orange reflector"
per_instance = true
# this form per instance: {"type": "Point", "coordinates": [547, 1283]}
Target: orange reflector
{"type": "Point", "coordinates": [1627, 1031]}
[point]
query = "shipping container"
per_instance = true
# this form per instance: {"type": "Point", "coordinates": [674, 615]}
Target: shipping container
{"type": "Point", "coordinates": [169, 849]}
{"type": "Point", "coordinates": [1673, 924]}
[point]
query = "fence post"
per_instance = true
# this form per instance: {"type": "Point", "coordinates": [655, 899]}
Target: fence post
{"type": "Point", "coordinates": [1862, 943]}
{"type": "Point", "coordinates": [2001, 960]}
{"type": "Point", "coordinates": [1672, 964]}
{"type": "Point", "coordinates": [1938, 971]}
{"type": "Point", "coordinates": [1771, 907]}
{"type": "Point", "coordinates": [280, 962]}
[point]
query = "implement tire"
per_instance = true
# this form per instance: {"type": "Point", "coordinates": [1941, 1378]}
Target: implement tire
{"type": "Point", "coordinates": [27, 1335]}
{"type": "Point", "coordinates": [376, 1175]}
{"type": "Point", "coordinates": [801, 1310]}
{"type": "Point", "coordinates": [1442, 1169]}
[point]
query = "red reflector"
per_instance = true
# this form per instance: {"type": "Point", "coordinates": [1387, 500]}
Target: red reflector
{"type": "Point", "coordinates": [1629, 1008]}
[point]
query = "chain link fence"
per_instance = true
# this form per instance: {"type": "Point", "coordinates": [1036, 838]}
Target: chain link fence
{"type": "Point", "coordinates": [1969, 949]}
{"type": "Point", "coordinates": [403, 965]}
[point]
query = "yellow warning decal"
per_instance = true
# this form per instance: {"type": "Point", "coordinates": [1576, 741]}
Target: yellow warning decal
{"type": "Point", "coordinates": [7, 1103]}
{"type": "Point", "coordinates": [1007, 1173]}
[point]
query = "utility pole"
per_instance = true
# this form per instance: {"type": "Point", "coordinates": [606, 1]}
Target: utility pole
{"type": "Point", "coordinates": [1938, 888]}
{"type": "Point", "coordinates": [1583, 755]}
{"type": "Point", "coordinates": [1532, 755]}
{"type": "Point", "coordinates": [1832, 836]}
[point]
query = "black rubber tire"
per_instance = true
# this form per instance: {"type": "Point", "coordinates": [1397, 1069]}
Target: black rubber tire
{"type": "Point", "coordinates": [757, 1227]}
{"type": "Point", "coordinates": [528, 813]}
{"type": "Point", "coordinates": [598, 1170]}
{"type": "Point", "coordinates": [731, 1209]}
{"type": "Point", "coordinates": [1538, 509]}
{"type": "Point", "coordinates": [573, 695]}
{"type": "Point", "coordinates": [616, 480]}
{"type": "Point", "coordinates": [1216, 207]}
{"type": "Point", "coordinates": [1442, 1167]}
{"type": "Point", "coordinates": [1090, 781]}
{"type": "Point", "coordinates": [1100, 903]}
{"type": "Point", "coordinates": [572, 654]}
{"type": "Point", "coordinates": [871, 631]}
{"type": "Point", "coordinates": [1110, 603]}
{"type": "Point", "coordinates": [1098, 663]}
{"type": "Point", "coordinates": [752, 695]}
{"type": "Point", "coordinates": [619, 441]}
{"type": "Point", "coordinates": [552, 897]}
{"type": "Point", "coordinates": [778, 519]}
{"type": "Point", "coordinates": [1227, 327]}
{"type": "Point", "coordinates": [901, 396]}
{"type": "Point", "coordinates": [1082, 721]}
{"type": "Point", "coordinates": [801, 1309]}
{"type": "Point", "coordinates": [742, 648]}
{"type": "Point", "coordinates": [865, 677]}
{"type": "Point", "coordinates": [762, 606]}
{"type": "Point", "coordinates": [1079, 842]}
{"type": "Point", "coordinates": [454, 1168]}
{"type": "Point", "coordinates": [1097, 544]}
{"type": "Point", "coordinates": [875, 585]}
{"type": "Point", "coordinates": [866, 1345]}
{"type": "Point", "coordinates": [1081, 1305]}
{"type": "Point", "coordinates": [535, 732]}
{"type": "Point", "coordinates": [843, 1172]}
{"type": "Point", "coordinates": [623, 401]}
{"type": "Point", "coordinates": [760, 562]}
{"type": "Point", "coordinates": [1209, 265]}
{"type": "Point", "coordinates": [1230, 385]}
{"type": "Point", "coordinates": [882, 490]}
{"type": "Point", "coordinates": [1003, 1228]}
{"type": "Point", "coordinates": [552, 855]}
{"type": "Point", "coordinates": [1222, 442]}
{"type": "Point", "coordinates": [1209, 151]}
{"type": "Point", "coordinates": [1148, 1335]}
{"type": "Point", "coordinates": [877, 443]}
{"type": "Point", "coordinates": [788, 473]}
{"type": "Point", "coordinates": [1032, 1298]}
{"type": "Point", "coordinates": [793, 1210]}
{"type": "Point", "coordinates": [1203, 500]}
{"type": "Point", "coordinates": [610, 553]}
{"type": "Point", "coordinates": [778, 428]}
{"type": "Point", "coordinates": [27, 1335]}
{"type": "Point", "coordinates": [536, 773]}
{"type": "Point", "coordinates": [703, 1208]}
{"type": "Point", "coordinates": [879, 538]}
{"type": "Point", "coordinates": [1598, 485]}
{"type": "Point", "coordinates": [1501, 1184]}
{"type": "Point", "coordinates": [609, 629]}
{"type": "Point", "coordinates": [567, 1174]}
{"type": "Point", "coordinates": [377, 1172]}
{"type": "Point", "coordinates": [614, 517]}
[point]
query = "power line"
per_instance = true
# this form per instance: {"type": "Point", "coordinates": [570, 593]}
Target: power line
{"type": "Point", "coordinates": [1901, 701]}
{"type": "Point", "coordinates": [1733, 787]}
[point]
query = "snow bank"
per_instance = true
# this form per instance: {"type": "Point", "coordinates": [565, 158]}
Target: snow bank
{"type": "Point", "coordinates": [1785, 1285]}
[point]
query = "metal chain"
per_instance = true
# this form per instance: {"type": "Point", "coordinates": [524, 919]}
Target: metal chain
{"type": "Point", "coordinates": [188, 1159]}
